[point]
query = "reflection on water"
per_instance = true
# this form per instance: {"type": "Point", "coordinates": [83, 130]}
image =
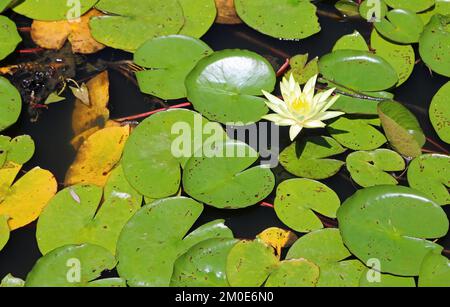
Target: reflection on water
{"type": "Point", "coordinates": [52, 133]}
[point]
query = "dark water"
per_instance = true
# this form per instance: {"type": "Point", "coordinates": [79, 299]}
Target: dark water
{"type": "Point", "coordinates": [52, 133]}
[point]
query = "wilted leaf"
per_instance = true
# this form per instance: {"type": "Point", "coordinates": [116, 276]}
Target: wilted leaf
{"type": "Point", "coordinates": [81, 93]}
{"type": "Point", "coordinates": [226, 13]}
{"type": "Point", "coordinates": [278, 238]}
{"type": "Point", "coordinates": [98, 155]}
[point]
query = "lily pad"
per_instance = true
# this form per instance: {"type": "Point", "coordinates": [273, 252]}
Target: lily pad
{"type": "Point", "coordinates": [166, 69]}
{"type": "Point", "coordinates": [52, 10]}
{"type": "Point", "coordinates": [86, 218]}
{"type": "Point", "coordinates": [386, 281]}
{"type": "Point", "coordinates": [108, 283]}
{"type": "Point", "coordinates": [440, 113]}
{"type": "Point", "coordinates": [153, 154]}
{"type": "Point", "coordinates": [368, 168]}
{"type": "Point", "coordinates": [283, 19]}
{"type": "Point", "coordinates": [10, 105]}
{"type": "Point", "coordinates": [435, 271]}
{"type": "Point", "coordinates": [18, 150]}
{"type": "Point", "coordinates": [249, 263]}
{"type": "Point", "coordinates": [354, 41]}
{"type": "Point", "coordinates": [373, 11]}
{"type": "Point", "coordinates": [402, 128]}
{"type": "Point", "coordinates": [203, 265]}
{"type": "Point", "coordinates": [278, 238]}
{"type": "Point", "coordinates": [325, 248]}
{"type": "Point", "coordinates": [391, 224]}
{"type": "Point", "coordinates": [302, 69]}
{"type": "Point", "coordinates": [9, 281]}
{"type": "Point", "coordinates": [357, 134]}
{"type": "Point", "coordinates": [401, 57]}
{"type": "Point", "coordinates": [199, 16]}
{"type": "Point", "coordinates": [225, 86]}
{"type": "Point", "coordinates": [294, 273]}
{"type": "Point", "coordinates": [401, 26]}
{"type": "Point", "coordinates": [358, 70]}
{"type": "Point", "coordinates": [155, 237]}
{"type": "Point", "coordinates": [434, 46]}
{"type": "Point", "coordinates": [430, 174]}
{"type": "Point", "coordinates": [4, 231]}
{"type": "Point", "coordinates": [348, 8]}
{"type": "Point", "coordinates": [133, 22]}
{"type": "Point", "coordinates": [365, 103]}
{"type": "Point", "coordinates": [5, 4]}
{"type": "Point", "coordinates": [297, 201]}
{"type": "Point", "coordinates": [308, 158]}
{"type": "Point", "coordinates": [412, 5]}
{"type": "Point", "coordinates": [9, 37]}
{"type": "Point", "coordinates": [70, 266]}
{"type": "Point", "coordinates": [441, 7]}
{"type": "Point", "coordinates": [222, 178]}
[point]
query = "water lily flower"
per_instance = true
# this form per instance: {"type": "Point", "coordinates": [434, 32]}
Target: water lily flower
{"type": "Point", "coordinates": [301, 109]}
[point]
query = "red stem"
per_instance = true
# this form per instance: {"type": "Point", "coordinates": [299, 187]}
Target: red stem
{"type": "Point", "coordinates": [24, 29]}
{"type": "Point", "coordinates": [437, 145]}
{"type": "Point", "coordinates": [147, 114]}
{"type": "Point", "coordinates": [31, 50]}
{"type": "Point", "coordinates": [283, 68]}
{"type": "Point", "coordinates": [268, 205]}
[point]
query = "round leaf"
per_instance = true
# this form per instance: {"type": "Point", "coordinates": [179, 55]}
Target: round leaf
{"type": "Point", "coordinates": [294, 273]}
{"type": "Point", "coordinates": [440, 113]}
{"type": "Point", "coordinates": [249, 263]}
{"type": "Point", "coordinates": [19, 150]}
{"type": "Point", "coordinates": [340, 274]}
{"type": "Point", "coordinates": [356, 134]}
{"type": "Point", "coordinates": [203, 265]}
{"type": "Point", "coordinates": [354, 41]}
{"type": "Point", "coordinates": [435, 271]}
{"type": "Point", "coordinates": [51, 10]}
{"type": "Point", "coordinates": [402, 128]}
{"type": "Point", "coordinates": [401, 26]}
{"type": "Point", "coordinates": [55, 268]}
{"type": "Point", "coordinates": [430, 174]}
{"type": "Point", "coordinates": [308, 158]}
{"type": "Point", "coordinates": [10, 104]}
{"type": "Point", "coordinates": [199, 16]}
{"type": "Point", "coordinates": [224, 86]}
{"type": "Point", "coordinates": [385, 280]}
{"type": "Point", "coordinates": [358, 70]}
{"type": "Point", "coordinates": [412, 5]}
{"type": "Point", "coordinates": [132, 22]}
{"type": "Point", "coordinates": [166, 69]}
{"type": "Point", "coordinates": [369, 168]}
{"type": "Point", "coordinates": [9, 37]}
{"type": "Point", "coordinates": [221, 178]}
{"type": "Point", "coordinates": [298, 199]}
{"type": "Point", "coordinates": [283, 19]}
{"type": "Point", "coordinates": [391, 224]}
{"type": "Point", "coordinates": [152, 240]}
{"type": "Point", "coordinates": [302, 69]}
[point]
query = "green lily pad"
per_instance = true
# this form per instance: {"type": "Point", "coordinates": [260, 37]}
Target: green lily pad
{"type": "Point", "coordinates": [385, 281]}
{"type": "Point", "coordinates": [5, 4]}
{"type": "Point", "coordinates": [391, 224]}
{"type": "Point", "coordinates": [10, 281]}
{"type": "Point", "coordinates": [70, 266]}
{"type": "Point", "coordinates": [440, 113]}
{"type": "Point", "coordinates": [402, 128]}
{"type": "Point", "coordinates": [199, 16]}
{"type": "Point", "coordinates": [354, 41]}
{"type": "Point", "coordinates": [153, 154]}
{"type": "Point", "coordinates": [9, 37]}
{"type": "Point", "coordinates": [441, 7]}
{"type": "Point", "coordinates": [18, 150]}
{"type": "Point", "coordinates": [401, 57]}
{"type": "Point", "coordinates": [133, 22]}
{"type": "Point", "coordinates": [10, 104]}
{"type": "Point", "coordinates": [368, 168]}
{"type": "Point", "coordinates": [434, 46]}
{"type": "Point", "coordinates": [412, 5]}
{"type": "Point", "coordinates": [4, 231]}
{"type": "Point", "coordinates": [308, 158]}
{"type": "Point", "coordinates": [51, 10]}
{"type": "Point", "coordinates": [325, 248]}
{"type": "Point", "coordinates": [75, 216]}
{"type": "Point", "coordinates": [430, 174]}
{"type": "Point", "coordinates": [370, 11]}
{"type": "Point", "coordinates": [225, 86]}
{"type": "Point", "coordinates": [435, 271]}
{"type": "Point", "coordinates": [168, 60]}
{"type": "Point", "coordinates": [357, 134]}
{"type": "Point", "coordinates": [249, 263]}
{"type": "Point", "coordinates": [294, 273]}
{"type": "Point", "coordinates": [348, 8]}
{"type": "Point", "coordinates": [222, 180]}
{"type": "Point", "coordinates": [298, 199]}
{"type": "Point", "coordinates": [203, 265]}
{"type": "Point", "coordinates": [108, 283]}
{"type": "Point", "coordinates": [155, 237]}
{"type": "Point", "coordinates": [359, 70]}
{"type": "Point", "coordinates": [284, 19]}
{"type": "Point", "coordinates": [401, 26]}
{"type": "Point", "coordinates": [365, 103]}
{"type": "Point", "coordinates": [302, 69]}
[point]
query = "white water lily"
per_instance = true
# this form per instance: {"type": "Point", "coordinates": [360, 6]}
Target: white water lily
{"type": "Point", "coordinates": [301, 109]}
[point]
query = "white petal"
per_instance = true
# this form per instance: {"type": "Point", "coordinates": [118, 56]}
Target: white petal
{"type": "Point", "coordinates": [330, 103]}
{"type": "Point", "coordinates": [309, 88]}
{"type": "Point", "coordinates": [294, 131]}
{"type": "Point", "coordinates": [329, 115]}
{"type": "Point", "coordinates": [314, 124]}
{"type": "Point", "coordinates": [279, 120]}
{"type": "Point", "coordinates": [326, 94]}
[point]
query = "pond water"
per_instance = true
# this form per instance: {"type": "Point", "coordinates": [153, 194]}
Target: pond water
{"type": "Point", "coordinates": [52, 132]}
